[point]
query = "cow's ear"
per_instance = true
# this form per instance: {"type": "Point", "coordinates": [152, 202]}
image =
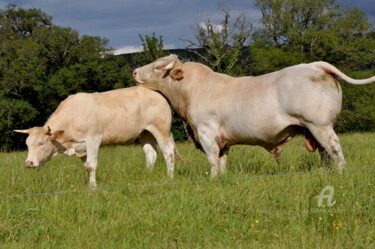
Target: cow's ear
{"type": "Point", "coordinates": [23, 131]}
{"type": "Point", "coordinates": [177, 74]}
{"type": "Point", "coordinates": [57, 135]}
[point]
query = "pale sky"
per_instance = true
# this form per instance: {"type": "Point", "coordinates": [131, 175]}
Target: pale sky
{"type": "Point", "coordinates": [121, 21]}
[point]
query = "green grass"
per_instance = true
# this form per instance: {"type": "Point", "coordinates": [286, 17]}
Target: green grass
{"type": "Point", "coordinates": [268, 212]}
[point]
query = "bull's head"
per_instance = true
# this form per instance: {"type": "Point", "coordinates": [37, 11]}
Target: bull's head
{"type": "Point", "coordinates": [40, 144]}
{"type": "Point", "coordinates": [161, 71]}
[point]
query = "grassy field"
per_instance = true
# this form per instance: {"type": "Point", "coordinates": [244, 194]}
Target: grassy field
{"type": "Point", "coordinates": [135, 208]}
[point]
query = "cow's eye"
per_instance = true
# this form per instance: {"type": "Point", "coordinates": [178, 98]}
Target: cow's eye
{"type": "Point", "coordinates": [40, 144]}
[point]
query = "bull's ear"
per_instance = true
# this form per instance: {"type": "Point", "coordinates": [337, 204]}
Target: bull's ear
{"type": "Point", "coordinates": [23, 131]}
{"type": "Point", "coordinates": [57, 135]}
{"type": "Point", "coordinates": [177, 74]}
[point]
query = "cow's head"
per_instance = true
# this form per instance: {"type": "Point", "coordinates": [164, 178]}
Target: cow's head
{"type": "Point", "coordinates": [161, 71]}
{"type": "Point", "coordinates": [41, 145]}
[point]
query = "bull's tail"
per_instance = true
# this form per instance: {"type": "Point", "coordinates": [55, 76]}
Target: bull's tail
{"type": "Point", "coordinates": [176, 152]}
{"type": "Point", "coordinates": [332, 70]}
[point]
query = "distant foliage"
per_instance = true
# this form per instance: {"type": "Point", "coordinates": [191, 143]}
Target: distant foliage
{"type": "Point", "coordinates": [222, 43]}
{"type": "Point", "coordinates": [41, 64]}
{"type": "Point", "coordinates": [152, 49]}
{"type": "Point", "coordinates": [358, 107]}
{"type": "Point", "coordinates": [295, 31]}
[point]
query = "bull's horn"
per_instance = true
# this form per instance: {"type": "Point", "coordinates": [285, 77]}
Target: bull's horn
{"type": "Point", "coordinates": [22, 131]}
{"type": "Point", "coordinates": [170, 65]}
{"type": "Point", "coordinates": [48, 131]}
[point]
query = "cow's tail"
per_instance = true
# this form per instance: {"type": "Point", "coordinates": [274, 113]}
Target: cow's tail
{"type": "Point", "coordinates": [176, 152]}
{"type": "Point", "coordinates": [332, 70]}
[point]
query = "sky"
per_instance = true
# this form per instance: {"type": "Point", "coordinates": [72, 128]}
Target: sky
{"type": "Point", "coordinates": [121, 21]}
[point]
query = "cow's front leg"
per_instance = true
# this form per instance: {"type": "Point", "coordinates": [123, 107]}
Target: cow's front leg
{"type": "Point", "coordinates": [92, 149]}
{"type": "Point", "coordinates": [223, 160]}
{"type": "Point", "coordinates": [211, 148]}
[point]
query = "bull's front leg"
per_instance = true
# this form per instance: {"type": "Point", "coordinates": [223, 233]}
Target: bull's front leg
{"type": "Point", "coordinates": [211, 148]}
{"type": "Point", "coordinates": [92, 149]}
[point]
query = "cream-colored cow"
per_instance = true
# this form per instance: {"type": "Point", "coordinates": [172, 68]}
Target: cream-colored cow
{"type": "Point", "coordinates": [268, 110]}
{"type": "Point", "coordinates": [84, 121]}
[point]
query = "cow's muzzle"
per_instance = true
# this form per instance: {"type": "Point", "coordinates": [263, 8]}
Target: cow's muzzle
{"type": "Point", "coordinates": [30, 164]}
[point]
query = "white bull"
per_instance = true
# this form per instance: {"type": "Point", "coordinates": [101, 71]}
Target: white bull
{"type": "Point", "coordinates": [268, 110]}
{"type": "Point", "coordinates": [84, 121]}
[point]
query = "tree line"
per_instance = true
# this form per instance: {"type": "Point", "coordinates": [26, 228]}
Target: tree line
{"type": "Point", "coordinates": [41, 63]}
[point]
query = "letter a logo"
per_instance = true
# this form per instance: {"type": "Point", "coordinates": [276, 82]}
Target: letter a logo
{"type": "Point", "coordinates": [328, 196]}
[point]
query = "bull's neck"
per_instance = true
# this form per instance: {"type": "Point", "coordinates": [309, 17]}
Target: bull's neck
{"type": "Point", "coordinates": [177, 97]}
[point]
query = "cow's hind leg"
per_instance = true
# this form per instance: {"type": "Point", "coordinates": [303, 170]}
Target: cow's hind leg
{"type": "Point", "coordinates": [148, 143]}
{"type": "Point", "coordinates": [92, 149]}
{"type": "Point", "coordinates": [223, 160]}
{"type": "Point", "coordinates": [167, 146]}
{"type": "Point", "coordinates": [328, 139]}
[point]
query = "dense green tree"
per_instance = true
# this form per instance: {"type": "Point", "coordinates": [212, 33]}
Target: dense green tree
{"type": "Point", "coordinates": [296, 31]}
{"type": "Point", "coordinates": [41, 64]}
{"type": "Point", "coordinates": [223, 43]}
{"type": "Point", "coordinates": [152, 49]}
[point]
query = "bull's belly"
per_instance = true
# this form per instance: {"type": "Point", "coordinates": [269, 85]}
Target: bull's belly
{"type": "Point", "coordinates": [267, 138]}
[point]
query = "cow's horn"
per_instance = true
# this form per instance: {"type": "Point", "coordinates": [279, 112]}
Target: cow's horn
{"type": "Point", "coordinates": [22, 131]}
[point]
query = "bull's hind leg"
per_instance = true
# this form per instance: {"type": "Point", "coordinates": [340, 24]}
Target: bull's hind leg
{"type": "Point", "coordinates": [325, 158]}
{"type": "Point", "coordinates": [328, 139]}
{"type": "Point", "coordinates": [167, 146]}
{"type": "Point", "coordinates": [148, 143]}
